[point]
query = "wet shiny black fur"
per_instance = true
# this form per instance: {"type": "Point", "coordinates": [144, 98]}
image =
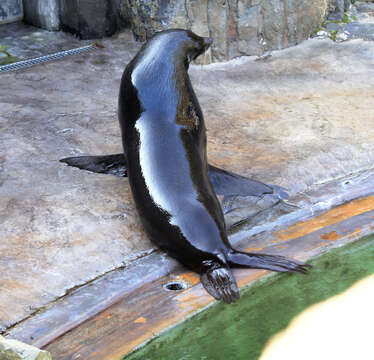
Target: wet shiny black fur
{"type": "Point", "coordinates": [174, 188]}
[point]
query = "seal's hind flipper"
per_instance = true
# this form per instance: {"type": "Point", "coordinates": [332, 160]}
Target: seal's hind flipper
{"type": "Point", "coordinates": [268, 262]}
{"type": "Point", "coordinates": [221, 284]}
{"type": "Point", "coordinates": [106, 164]}
{"type": "Point", "coordinates": [229, 184]}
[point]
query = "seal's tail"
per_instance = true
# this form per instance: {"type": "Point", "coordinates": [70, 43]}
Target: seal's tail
{"type": "Point", "coordinates": [221, 284]}
{"type": "Point", "coordinates": [268, 262]}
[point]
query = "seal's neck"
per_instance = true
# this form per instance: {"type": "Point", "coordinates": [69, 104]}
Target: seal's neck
{"type": "Point", "coordinates": [159, 74]}
{"type": "Point", "coordinates": [160, 60]}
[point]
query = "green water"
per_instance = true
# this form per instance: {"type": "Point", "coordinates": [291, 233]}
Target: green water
{"type": "Point", "coordinates": [240, 331]}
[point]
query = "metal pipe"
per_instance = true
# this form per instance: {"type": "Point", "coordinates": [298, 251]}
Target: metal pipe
{"type": "Point", "coordinates": [45, 58]}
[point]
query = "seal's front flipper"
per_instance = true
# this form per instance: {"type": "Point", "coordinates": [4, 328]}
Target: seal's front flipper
{"type": "Point", "coordinates": [107, 164]}
{"type": "Point", "coordinates": [229, 184]}
{"type": "Point", "coordinates": [221, 284]}
{"type": "Point", "coordinates": [268, 262]}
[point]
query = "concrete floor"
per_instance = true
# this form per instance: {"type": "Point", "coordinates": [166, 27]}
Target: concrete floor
{"type": "Point", "coordinates": [300, 118]}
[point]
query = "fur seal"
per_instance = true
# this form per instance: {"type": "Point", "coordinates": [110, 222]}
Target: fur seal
{"type": "Point", "coordinates": [164, 141]}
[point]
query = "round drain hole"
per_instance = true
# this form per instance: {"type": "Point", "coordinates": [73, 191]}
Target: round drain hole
{"type": "Point", "coordinates": [175, 286]}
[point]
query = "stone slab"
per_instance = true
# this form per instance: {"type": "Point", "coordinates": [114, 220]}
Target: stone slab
{"type": "Point", "coordinates": [11, 349]}
{"type": "Point", "coordinates": [25, 41]}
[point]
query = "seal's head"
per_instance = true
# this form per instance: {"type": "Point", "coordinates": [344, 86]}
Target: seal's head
{"type": "Point", "coordinates": [180, 44]}
{"type": "Point", "coordinates": [195, 45]}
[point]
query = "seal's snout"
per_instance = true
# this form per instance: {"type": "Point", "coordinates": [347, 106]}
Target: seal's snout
{"type": "Point", "coordinates": [207, 42]}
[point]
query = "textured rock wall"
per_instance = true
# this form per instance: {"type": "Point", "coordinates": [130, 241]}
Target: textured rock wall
{"type": "Point", "coordinates": [88, 18]}
{"type": "Point", "coordinates": [10, 10]}
{"type": "Point", "coordinates": [337, 8]}
{"type": "Point", "coordinates": [238, 27]}
{"type": "Point", "coordinates": [42, 13]}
